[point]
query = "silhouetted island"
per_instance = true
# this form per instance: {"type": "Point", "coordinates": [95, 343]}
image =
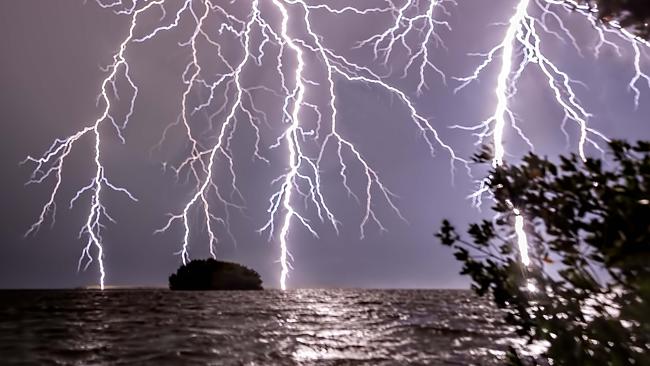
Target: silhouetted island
{"type": "Point", "coordinates": [211, 274]}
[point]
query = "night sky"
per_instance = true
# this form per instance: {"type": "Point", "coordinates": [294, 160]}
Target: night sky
{"type": "Point", "coordinates": [51, 54]}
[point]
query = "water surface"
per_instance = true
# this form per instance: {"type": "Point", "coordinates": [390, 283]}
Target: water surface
{"type": "Point", "coordinates": [298, 327]}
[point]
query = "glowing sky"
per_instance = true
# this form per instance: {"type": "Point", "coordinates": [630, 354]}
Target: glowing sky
{"type": "Point", "coordinates": [49, 72]}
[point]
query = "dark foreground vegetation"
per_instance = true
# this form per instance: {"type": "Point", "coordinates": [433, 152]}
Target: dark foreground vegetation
{"type": "Point", "coordinates": [586, 294]}
{"type": "Point", "coordinates": [210, 274]}
{"type": "Point", "coordinates": [631, 14]}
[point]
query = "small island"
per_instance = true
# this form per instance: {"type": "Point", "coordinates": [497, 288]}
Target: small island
{"type": "Point", "coordinates": [211, 274]}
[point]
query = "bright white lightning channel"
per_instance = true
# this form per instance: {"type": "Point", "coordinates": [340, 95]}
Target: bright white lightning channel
{"type": "Point", "coordinates": [522, 40]}
{"type": "Point", "coordinates": [50, 164]}
{"type": "Point", "coordinates": [279, 35]}
{"type": "Point", "coordinates": [231, 102]}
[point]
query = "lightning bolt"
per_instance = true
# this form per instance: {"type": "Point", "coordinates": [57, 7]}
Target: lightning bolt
{"type": "Point", "coordinates": [303, 176]}
{"type": "Point", "coordinates": [50, 164]}
{"type": "Point", "coordinates": [281, 36]}
{"type": "Point", "coordinates": [520, 233]}
{"type": "Point", "coordinates": [613, 28]}
{"type": "Point", "coordinates": [336, 65]}
{"type": "Point", "coordinates": [522, 46]}
{"type": "Point", "coordinates": [522, 239]}
{"type": "Point", "coordinates": [522, 31]}
{"type": "Point", "coordinates": [522, 41]}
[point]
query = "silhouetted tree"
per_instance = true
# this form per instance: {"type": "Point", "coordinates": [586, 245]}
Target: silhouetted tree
{"type": "Point", "coordinates": [588, 228]}
{"type": "Point", "coordinates": [210, 274]}
{"type": "Point", "coordinates": [632, 14]}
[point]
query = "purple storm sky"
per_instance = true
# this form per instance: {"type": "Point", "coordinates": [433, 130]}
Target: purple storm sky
{"type": "Point", "coordinates": [51, 54]}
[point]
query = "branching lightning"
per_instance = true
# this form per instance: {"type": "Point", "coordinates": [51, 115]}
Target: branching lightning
{"type": "Point", "coordinates": [336, 65]}
{"type": "Point", "coordinates": [50, 164]}
{"type": "Point", "coordinates": [281, 36]}
{"type": "Point", "coordinates": [522, 46]}
{"type": "Point", "coordinates": [522, 40]}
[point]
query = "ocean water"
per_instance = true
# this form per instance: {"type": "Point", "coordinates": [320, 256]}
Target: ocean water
{"type": "Point", "coordinates": [297, 327]}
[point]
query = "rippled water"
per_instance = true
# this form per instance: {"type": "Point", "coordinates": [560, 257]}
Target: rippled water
{"type": "Point", "coordinates": [300, 327]}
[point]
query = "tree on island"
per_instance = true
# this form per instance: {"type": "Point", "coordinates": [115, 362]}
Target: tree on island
{"type": "Point", "coordinates": [211, 274]}
{"type": "Point", "coordinates": [586, 293]}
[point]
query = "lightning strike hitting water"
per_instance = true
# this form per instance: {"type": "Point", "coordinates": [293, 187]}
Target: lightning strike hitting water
{"type": "Point", "coordinates": [335, 65]}
{"type": "Point", "coordinates": [280, 35]}
{"type": "Point", "coordinates": [50, 164]}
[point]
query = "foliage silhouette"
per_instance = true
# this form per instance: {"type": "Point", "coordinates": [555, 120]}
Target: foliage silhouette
{"type": "Point", "coordinates": [588, 229]}
{"type": "Point", "coordinates": [210, 274]}
{"type": "Point", "coordinates": [632, 14]}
